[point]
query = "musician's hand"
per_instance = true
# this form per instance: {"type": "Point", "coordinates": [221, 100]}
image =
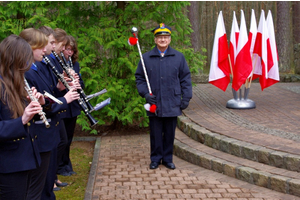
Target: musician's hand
{"type": "Point", "coordinates": [32, 109]}
{"type": "Point", "coordinates": [76, 84]}
{"type": "Point", "coordinates": [71, 95]}
{"type": "Point", "coordinates": [60, 86]}
{"type": "Point", "coordinates": [38, 96]}
{"type": "Point", "coordinates": [74, 74]}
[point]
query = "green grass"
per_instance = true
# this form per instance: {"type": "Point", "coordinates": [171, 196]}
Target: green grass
{"type": "Point", "coordinates": [81, 156]}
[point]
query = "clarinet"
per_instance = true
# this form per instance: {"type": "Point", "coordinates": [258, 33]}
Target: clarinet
{"type": "Point", "coordinates": [71, 63]}
{"type": "Point", "coordinates": [66, 69]}
{"type": "Point", "coordinates": [80, 101]}
{"type": "Point", "coordinates": [32, 98]}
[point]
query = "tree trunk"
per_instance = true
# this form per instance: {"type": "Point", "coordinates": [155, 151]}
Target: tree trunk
{"type": "Point", "coordinates": [283, 37]}
{"type": "Point", "coordinates": [296, 33]}
{"type": "Point", "coordinates": [193, 15]}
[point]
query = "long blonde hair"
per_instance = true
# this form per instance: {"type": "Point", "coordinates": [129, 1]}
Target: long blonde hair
{"type": "Point", "coordinates": [15, 59]}
{"type": "Point", "coordinates": [36, 38]}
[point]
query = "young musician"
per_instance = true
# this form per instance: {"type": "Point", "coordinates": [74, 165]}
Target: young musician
{"type": "Point", "coordinates": [18, 147]}
{"type": "Point", "coordinates": [70, 51]}
{"type": "Point", "coordinates": [48, 137]}
{"type": "Point", "coordinates": [48, 72]}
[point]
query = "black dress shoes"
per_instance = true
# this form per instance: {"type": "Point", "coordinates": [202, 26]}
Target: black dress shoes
{"type": "Point", "coordinates": [154, 165]}
{"type": "Point", "coordinates": [62, 184]}
{"type": "Point", "coordinates": [169, 165]}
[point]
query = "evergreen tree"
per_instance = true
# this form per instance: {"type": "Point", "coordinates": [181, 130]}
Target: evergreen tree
{"type": "Point", "coordinates": [107, 61]}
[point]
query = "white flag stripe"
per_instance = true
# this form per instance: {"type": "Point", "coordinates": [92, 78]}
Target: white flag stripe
{"type": "Point", "coordinates": [262, 28]}
{"type": "Point", "coordinates": [215, 72]}
{"type": "Point", "coordinates": [274, 71]}
{"type": "Point", "coordinates": [233, 39]}
{"type": "Point", "coordinates": [243, 37]}
{"type": "Point", "coordinates": [253, 30]}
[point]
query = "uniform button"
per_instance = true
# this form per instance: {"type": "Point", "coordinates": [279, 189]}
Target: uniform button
{"type": "Point", "coordinates": [32, 140]}
{"type": "Point", "coordinates": [65, 110]}
{"type": "Point", "coordinates": [18, 139]}
{"type": "Point", "coordinates": [28, 124]}
{"type": "Point", "coordinates": [58, 112]}
{"type": "Point", "coordinates": [23, 138]}
{"type": "Point", "coordinates": [14, 140]}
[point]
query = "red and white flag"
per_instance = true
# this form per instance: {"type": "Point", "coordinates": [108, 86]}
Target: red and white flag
{"type": "Point", "coordinates": [219, 74]}
{"type": "Point", "coordinates": [243, 65]}
{"type": "Point", "coordinates": [252, 38]}
{"type": "Point", "coordinates": [273, 70]}
{"type": "Point", "coordinates": [234, 37]}
{"type": "Point", "coordinates": [263, 49]}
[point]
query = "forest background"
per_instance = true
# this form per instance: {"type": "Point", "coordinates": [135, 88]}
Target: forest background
{"type": "Point", "coordinates": [102, 29]}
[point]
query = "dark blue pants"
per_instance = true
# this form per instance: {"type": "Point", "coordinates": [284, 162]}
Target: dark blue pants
{"type": "Point", "coordinates": [38, 177]}
{"type": "Point", "coordinates": [65, 164]}
{"type": "Point", "coordinates": [14, 185]}
{"type": "Point", "coordinates": [162, 135]}
{"type": "Point", "coordinates": [48, 193]}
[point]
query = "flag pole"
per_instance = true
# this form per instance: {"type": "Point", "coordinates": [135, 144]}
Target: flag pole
{"type": "Point", "coordinates": [230, 66]}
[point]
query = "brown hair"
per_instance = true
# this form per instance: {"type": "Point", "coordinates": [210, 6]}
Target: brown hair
{"type": "Point", "coordinates": [36, 38]}
{"type": "Point", "coordinates": [47, 30]}
{"type": "Point", "coordinates": [60, 35]}
{"type": "Point", "coordinates": [72, 42]}
{"type": "Point", "coordinates": [15, 59]}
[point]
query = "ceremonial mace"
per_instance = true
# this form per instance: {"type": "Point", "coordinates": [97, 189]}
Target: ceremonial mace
{"type": "Point", "coordinates": [134, 41]}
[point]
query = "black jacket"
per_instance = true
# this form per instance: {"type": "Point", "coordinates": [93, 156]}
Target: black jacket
{"type": "Point", "coordinates": [170, 81]}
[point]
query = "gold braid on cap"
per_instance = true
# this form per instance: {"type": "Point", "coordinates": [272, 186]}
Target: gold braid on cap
{"type": "Point", "coordinates": [162, 29]}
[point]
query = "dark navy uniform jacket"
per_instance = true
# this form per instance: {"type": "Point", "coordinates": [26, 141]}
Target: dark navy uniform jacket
{"type": "Point", "coordinates": [169, 78]}
{"type": "Point", "coordinates": [74, 108]}
{"type": "Point", "coordinates": [48, 138]}
{"type": "Point", "coordinates": [18, 146]}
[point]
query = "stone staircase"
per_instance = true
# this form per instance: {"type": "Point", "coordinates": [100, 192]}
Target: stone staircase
{"type": "Point", "coordinates": [258, 165]}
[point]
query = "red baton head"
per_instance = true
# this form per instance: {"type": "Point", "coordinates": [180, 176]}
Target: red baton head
{"type": "Point", "coordinates": [132, 41]}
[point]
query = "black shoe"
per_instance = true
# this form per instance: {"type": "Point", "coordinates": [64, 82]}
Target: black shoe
{"type": "Point", "coordinates": [65, 174]}
{"type": "Point", "coordinates": [62, 184]}
{"type": "Point", "coordinates": [154, 165]}
{"type": "Point", "coordinates": [72, 173]}
{"type": "Point", "coordinates": [169, 165]}
{"type": "Point", "coordinates": [56, 189]}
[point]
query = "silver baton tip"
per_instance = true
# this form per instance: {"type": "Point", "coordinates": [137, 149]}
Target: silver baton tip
{"type": "Point", "coordinates": [134, 30]}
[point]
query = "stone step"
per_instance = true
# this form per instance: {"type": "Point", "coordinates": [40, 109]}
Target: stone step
{"type": "Point", "coordinates": [242, 149]}
{"type": "Point", "coordinates": [199, 153]}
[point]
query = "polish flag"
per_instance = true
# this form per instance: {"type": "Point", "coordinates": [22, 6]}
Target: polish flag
{"type": "Point", "coordinates": [234, 37]}
{"type": "Point", "coordinates": [243, 65]}
{"type": "Point", "coordinates": [263, 49]}
{"type": "Point", "coordinates": [219, 74]}
{"type": "Point", "coordinates": [273, 70]}
{"type": "Point", "coordinates": [252, 37]}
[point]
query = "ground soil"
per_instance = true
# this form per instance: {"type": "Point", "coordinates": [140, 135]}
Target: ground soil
{"type": "Point", "coordinates": [109, 130]}
{"type": "Point", "coordinates": [87, 146]}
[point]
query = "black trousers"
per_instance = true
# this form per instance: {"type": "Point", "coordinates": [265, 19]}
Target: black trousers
{"type": "Point", "coordinates": [14, 186]}
{"type": "Point", "coordinates": [162, 135]}
{"type": "Point", "coordinates": [56, 152]}
{"type": "Point", "coordinates": [65, 164]}
{"type": "Point", "coordinates": [38, 177]}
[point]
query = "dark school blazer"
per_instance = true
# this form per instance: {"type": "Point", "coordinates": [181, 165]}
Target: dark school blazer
{"type": "Point", "coordinates": [48, 138]}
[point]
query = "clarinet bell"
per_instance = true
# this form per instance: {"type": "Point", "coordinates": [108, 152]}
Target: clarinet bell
{"type": "Point", "coordinates": [93, 121]}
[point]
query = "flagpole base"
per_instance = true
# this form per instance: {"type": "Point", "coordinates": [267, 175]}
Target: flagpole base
{"type": "Point", "coordinates": [240, 104]}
